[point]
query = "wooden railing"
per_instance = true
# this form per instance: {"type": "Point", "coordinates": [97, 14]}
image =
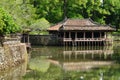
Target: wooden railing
{"type": "Point", "coordinates": [86, 39]}
{"type": "Point", "coordinates": [90, 39]}
{"type": "Point", "coordinates": [67, 39]}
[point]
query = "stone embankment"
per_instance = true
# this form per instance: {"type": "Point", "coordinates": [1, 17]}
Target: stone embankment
{"type": "Point", "coordinates": [12, 54]}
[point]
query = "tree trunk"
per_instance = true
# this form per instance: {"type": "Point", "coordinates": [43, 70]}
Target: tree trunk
{"type": "Point", "coordinates": [1, 40]}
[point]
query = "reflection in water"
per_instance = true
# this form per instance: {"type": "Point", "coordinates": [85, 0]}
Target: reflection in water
{"type": "Point", "coordinates": [88, 52]}
{"type": "Point", "coordinates": [83, 58]}
{"type": "Point", "coordinates": [70, 63]}
{"type": "Point", "coordinates": [74, 63]}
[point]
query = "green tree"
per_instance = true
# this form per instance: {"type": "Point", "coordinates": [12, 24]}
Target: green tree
{"type": "Point", "coordinates": [52, 10]}
{"type": "Point", "coordinates": [113, 7]}
{"type": "Point", "coordinates": [107, 12]}
{"type": "Point", "coordinates": [40, 26]}
{"type": "Point", "coordinates": [7, 24]}
{"type": "Point", "coordinates": [21, 10]}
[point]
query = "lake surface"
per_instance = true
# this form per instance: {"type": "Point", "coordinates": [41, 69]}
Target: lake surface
{"type": "Point", "coordinates": [69, 63]}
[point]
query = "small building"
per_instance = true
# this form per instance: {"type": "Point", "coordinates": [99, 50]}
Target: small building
{"type": "Point", "coordinates": [25, 38]}
{"type": "Point", "coordinates": [81, 32]}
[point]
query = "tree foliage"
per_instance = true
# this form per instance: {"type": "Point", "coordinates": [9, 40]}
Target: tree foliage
{"type": "Point", "coordinates": [49, 9]}
{"type": "Point", "coordinates": [40, 26]}
{"type": "Point", "coordinates": [26, 12]}
{"type": "Point", "coordinates": [106, 12]}
{"type": "Point", "coordinates": [7, 24]}
{"type": "Point", "coordinates": [21, 10]}
{"type": "Point", "coordinates": [113, 7]}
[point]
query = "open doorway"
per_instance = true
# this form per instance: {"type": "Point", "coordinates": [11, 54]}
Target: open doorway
{"type": "Point", "coordinates": [73, 35]}
{"type": "Point", "coordinates": [88, 35]}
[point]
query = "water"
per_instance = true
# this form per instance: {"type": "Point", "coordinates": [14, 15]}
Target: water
{"type": "Point", "coordinates": [69, 63]}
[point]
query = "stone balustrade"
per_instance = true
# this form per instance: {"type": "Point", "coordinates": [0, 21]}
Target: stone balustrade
{"type": "Point", "coordinates": [11, 54]}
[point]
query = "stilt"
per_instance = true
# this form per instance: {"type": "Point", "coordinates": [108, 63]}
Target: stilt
{"type": "Point", "coordinates": [68, 43]}
{"type": "Point", "coordinates": [78, 44]}
{"type": "Point", "coordinates": [95, 43]}
{"type": "Point", "coordinates": [84, 43]}
{"type": "Point", "coordinates": [98, 43]}
{"type": "Point", "coordinates": [75, 43]}
{"type": "Point", "coordinates": [92, 43]}
{"type": "Point", "coordinates": [104, 43]}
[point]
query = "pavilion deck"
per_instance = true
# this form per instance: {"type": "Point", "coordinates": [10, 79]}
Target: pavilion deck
{"type": "Point", "coordinates": [85, 39]}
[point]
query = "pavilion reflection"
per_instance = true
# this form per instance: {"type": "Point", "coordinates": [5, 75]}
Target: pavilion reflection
{"type": "Point", "coordinates": [95, 53]}
{"type": "Point", "coordinates": [83, 58]}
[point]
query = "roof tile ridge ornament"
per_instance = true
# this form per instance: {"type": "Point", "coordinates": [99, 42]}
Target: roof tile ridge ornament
{"type": "Point", "coordinates": [113, 27]}
{"type": "Point", "coordinates": [57, 23]}
{"type": "Point", "coordinates": [65, 21]}
{"type": "Point", "coordinates": [96, 23]}
{"type": "Point", "coordinates": [105, 25]}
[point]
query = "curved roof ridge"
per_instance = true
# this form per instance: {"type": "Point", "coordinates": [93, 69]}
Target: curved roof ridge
{"type": "Point", "coordinates": [80, 24]}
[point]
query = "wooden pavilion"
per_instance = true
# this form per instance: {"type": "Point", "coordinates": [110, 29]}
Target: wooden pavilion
{"type": "Point", "coordinates": [77, 32]}
{"type": "Point", "coordinates": [25, 38]}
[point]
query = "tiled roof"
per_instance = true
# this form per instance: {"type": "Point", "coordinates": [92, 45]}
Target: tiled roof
{"type": "Point", "coordinates": [79, 24]}
{"type": "Point", "coordinates": [97, 28]}
{"type": "Point", "coordinates": [55, 27]}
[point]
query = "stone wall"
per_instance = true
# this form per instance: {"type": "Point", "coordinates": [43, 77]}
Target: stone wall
{"type": "Point", "coordinates": [11, 54]}
{"type": "Point", "coordinates": [43, 40]}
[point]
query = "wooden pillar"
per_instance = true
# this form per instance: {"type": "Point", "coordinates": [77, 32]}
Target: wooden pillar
{"type": "Point", "coordinates": [75, 35]}
{"type": "Point", "coordinates": [75, 38]}
{"type": "Point", "coordinates": [105, 38]}
{"type": "Point", "coordinates": [95, 43]}
{"type": "Point", "coordinates": [87, 43]}
{"type": "Point", "coordinates": [92, 35]}
{"type": "Point", "coordinates": [64, 43]}
{"type": "Point", "coordinates": [84, 35]}
{"type": "Point", "coordinates": [100, 35]}
{"type": "Point", "coordinates": [24, 38]}
{"type": "Point", "coordinates": [105, 35]}
{"type": "Point", "coordinates": [69, 34]}
{"type": "Point", "coordinates": [64, 34]}
{"type": "Point", "coordinates": [28, 39]}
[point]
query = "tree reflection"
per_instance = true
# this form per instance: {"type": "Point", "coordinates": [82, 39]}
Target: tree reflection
{"type": "Point", "coordinates": [74, 63]}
